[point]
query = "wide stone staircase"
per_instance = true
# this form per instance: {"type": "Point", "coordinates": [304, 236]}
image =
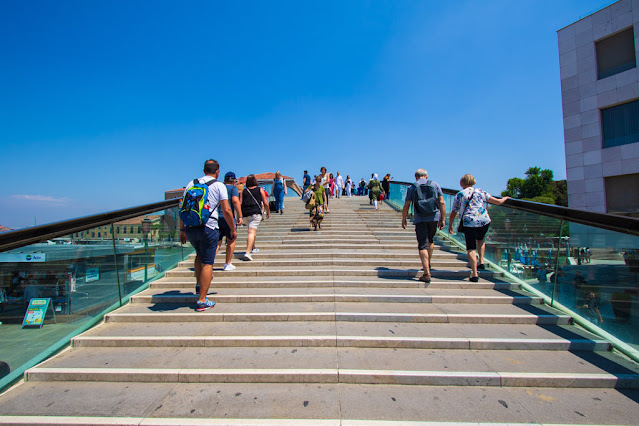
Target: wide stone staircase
{"type": "Point", "coordinates": [332, 327]}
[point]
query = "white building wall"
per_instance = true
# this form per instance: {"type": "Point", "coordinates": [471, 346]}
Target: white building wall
{"type": "Point", "coordinates": [587, 163]}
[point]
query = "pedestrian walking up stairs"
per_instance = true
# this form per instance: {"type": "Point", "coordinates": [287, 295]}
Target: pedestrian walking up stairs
{"type": "Point", "coordinates": [332, 327]}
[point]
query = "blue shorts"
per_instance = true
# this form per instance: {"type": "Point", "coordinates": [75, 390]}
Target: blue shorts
{"type": "Point", "coordinates": [225, 231]}
{"type": "Point", "coordinates": [204, 241]}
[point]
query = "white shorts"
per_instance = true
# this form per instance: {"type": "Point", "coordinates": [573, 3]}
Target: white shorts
{"type": "Point", "coordinates": [254, 220]}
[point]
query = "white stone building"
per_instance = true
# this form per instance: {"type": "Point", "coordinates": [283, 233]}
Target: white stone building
{"type": "Point", "coordinates": [600, 92]}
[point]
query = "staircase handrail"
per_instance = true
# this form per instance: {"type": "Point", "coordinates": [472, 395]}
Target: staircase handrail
{"type": "Point", "coordinates": [23, 237]}
{"type": "Point", "coordinates": [612, 222]}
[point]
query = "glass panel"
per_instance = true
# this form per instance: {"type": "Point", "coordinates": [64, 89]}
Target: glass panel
{"type": "Point", "coordinates": [620, 124]}
{"type": "Point", "coordinates": [591, 273]}
{"type": "Point", "coordinates": [616, 53]}
{"type": "Point", "coordinates": [79, 274]}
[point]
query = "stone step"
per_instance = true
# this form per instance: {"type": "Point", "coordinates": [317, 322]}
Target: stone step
{"type": "Point", "coordinates": [362, 253]}
{"type": "Point", "coordinates": [332, 297]}
{"type": "Point", "coordinates": [246, 271]}
{"type": "Point", "coordinates": [310, 404]}
{"type": "Point", "coordinates": [378, 333]}
{"type": "Point", "coordinates": [319, 262]}
{"type": "Point", "coordinates": [292, 358]}
{"type": "Point", "coordinates": [556, 344]}
{"type": "Point", "coordinates": [350, 312]}
{"type": "Point", "coordinates": [228, 281]}
{"type": "Point", "coordinates": [330, 375]}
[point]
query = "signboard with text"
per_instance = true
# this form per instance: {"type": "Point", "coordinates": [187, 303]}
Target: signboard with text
{"type": "Point", "coordinates": [93, 274]}
{"type": "Point", "coordinates": [37, 310]}
{"type": "Point", "coordinates": [22, 257]}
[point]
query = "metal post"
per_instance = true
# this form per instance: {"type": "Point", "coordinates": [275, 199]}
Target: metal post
{"type": "Point", "coordinates": [115, 263]}
{"type": "Point", "coordinates": [554, 276]}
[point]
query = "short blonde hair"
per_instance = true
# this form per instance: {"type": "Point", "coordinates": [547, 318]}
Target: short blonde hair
{"type": "Point", "coordinates": [278, 175]}
{"type": "Point", "coordinates": [467, 180]}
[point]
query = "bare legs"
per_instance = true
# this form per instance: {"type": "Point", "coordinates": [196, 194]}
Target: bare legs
{"type": "Point", "coordinates": [472, 260]}
{"type": "Point", "coordinates": [203, 275]}
{"type": "Point", "coordinates": [230, 249]}
{"type": "Point", "coordinates": [472, 257]}
{"type": "Point", "coordinates": [250, 239]}
{"type": "Point", "coordinates": [480, 250]}
{"type": "Point", "coordinates": [424, 257]}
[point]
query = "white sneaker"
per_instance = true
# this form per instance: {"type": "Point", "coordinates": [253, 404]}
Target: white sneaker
{"type": "Point", "coordinates": [229, 267]}
{"type": "Point", "coordinates": [255, 250]}
{"type": "Point", "coordinates": [247, 256]}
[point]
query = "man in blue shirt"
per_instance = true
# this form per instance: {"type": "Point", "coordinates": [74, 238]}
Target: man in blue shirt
{"type": "Point", "coordinates": [236, 212]}
{"type": "Point", "coordinates": [426, 223]}
{"type": "Point", "coordinates": [306, 181]}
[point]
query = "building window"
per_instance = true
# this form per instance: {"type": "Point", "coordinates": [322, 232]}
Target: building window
{"type": "Point", "coordinates": [117, 229]}
{"type": "Point", "coordinates": [620, 124]}
{"type": "Point", "coordinates": [618, 189]}
{"type": "Point", "coordinates": [131, 230]}
{"type": "Point", "coordinates": [616, 53]}
{"type": "Point", "coordinates": [99, 235]}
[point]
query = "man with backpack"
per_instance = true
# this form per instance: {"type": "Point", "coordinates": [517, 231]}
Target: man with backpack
{"type": "Point", "coordinates": [429, 212]}
{"type": "Point", "coordinates": [199, 224]}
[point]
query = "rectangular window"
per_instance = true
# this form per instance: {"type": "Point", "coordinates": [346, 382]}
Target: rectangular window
{"type": "Point", "coordinates": [618, 194]}
{"type": "Point", "coordinates": [620, 124]}
{"type": "Point", "coordinates": [616, 53]}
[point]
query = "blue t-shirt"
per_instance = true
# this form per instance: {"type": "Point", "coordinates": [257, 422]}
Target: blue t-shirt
{"type": "Point", "coordinates": [232, 192]}
{"type": "Point", "coordinates": [307, 179]}
{"type": "Point", "coordinates": [433, 217]}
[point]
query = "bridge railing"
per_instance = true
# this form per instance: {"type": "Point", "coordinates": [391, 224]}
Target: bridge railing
{"type": "Point", "coordinates": [585, 264]}
{"type": "Point", "coordinates": [84, 268]}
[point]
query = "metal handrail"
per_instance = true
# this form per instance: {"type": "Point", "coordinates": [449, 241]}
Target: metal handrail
{"type": "Point", "coordinates": [610, 222]}
{"type": "Point", "coordinates": [24, 237]}
{"type": "Point", "coordinates": [37, 234]}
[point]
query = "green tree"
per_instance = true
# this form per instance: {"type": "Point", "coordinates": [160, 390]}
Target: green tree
{"type": "Point", "coordinates": [538, 186]}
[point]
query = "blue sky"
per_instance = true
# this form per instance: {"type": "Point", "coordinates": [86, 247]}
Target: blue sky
{"type": "Point", "coordinates": [107, 104]}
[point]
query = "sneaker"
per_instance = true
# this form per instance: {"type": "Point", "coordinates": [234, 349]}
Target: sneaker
{"type": "Point", "coordinates": [481, 266]}
{"type": "Point", "coordinates": [247, 256]}
{"type": "Point", "coordinates": [203, 306]}
{"type": "Point", "coordinates": [474, 279]}
{"type": "Point", "coordinates": [229, 267]}
{"type": "Point", "coordinates": [255, 250]}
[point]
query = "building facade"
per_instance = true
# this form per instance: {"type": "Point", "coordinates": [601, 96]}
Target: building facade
{"type": "Point", "coordinates": [600, 102]}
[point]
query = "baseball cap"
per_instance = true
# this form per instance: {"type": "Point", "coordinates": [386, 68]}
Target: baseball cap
{"type": "Point", "coordinates": [229, 175]}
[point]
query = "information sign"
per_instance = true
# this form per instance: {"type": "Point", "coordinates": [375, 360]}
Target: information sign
{"type": "Point", "coordinates": [37, 310]}
{"type": "Point", "coordinates": [93, 274]}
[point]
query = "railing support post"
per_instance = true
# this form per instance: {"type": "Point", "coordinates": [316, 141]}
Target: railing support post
{"type": "Point", "coordinates": [115, 263]}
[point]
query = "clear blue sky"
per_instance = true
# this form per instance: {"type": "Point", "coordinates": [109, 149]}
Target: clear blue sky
{"type": "Point", "coordinates": [107, 104]}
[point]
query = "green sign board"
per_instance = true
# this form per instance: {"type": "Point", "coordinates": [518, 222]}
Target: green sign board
{"type": "Point", "coordinates": [37, 310]}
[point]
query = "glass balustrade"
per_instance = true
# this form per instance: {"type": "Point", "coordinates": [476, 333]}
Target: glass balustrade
{"type": "Point", "coordinates": [590, 272]}
{"type": "Point", "coordinates": [82, 275]}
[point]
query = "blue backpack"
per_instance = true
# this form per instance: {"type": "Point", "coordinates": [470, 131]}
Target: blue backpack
{"type": "Point", "coordinates": [195, 210]}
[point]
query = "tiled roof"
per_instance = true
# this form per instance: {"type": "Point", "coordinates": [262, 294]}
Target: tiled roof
{"type": "Point", "coordinates": [138, 220]}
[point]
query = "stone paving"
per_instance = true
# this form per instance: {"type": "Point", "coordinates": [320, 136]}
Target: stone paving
{"type": "Point", "coordinates": [332, 327]}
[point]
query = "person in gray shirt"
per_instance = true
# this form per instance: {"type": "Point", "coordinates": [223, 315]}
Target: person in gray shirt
{"type": "Point", "coordinates": [429, 212]}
